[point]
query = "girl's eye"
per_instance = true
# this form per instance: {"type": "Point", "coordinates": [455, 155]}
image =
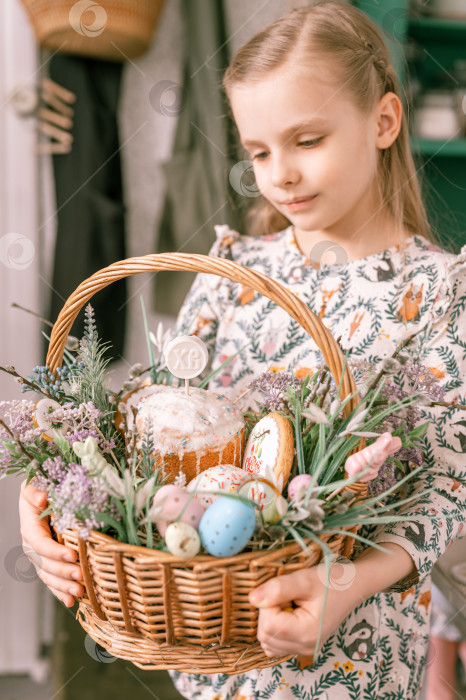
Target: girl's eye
{"type": "Point", "coordinates": [259, 156]}
{"type": "Point", "coordinates": [309, 143]}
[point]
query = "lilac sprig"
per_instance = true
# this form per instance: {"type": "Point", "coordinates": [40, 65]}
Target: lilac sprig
{"type": "Point", "coordinates": [78, 500]}
{"type": "Point", "coordinates": [273, 386]}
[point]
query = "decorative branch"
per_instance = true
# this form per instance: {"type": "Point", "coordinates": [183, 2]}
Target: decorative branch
{"type": "Point", "coordinates": [21, 380]}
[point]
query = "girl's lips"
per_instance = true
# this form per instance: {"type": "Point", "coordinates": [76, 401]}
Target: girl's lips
{"type": "Point", "coordinates": [299, 203]}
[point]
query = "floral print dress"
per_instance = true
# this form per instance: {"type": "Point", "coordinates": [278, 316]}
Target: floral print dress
{"type": "Point", "coordinates": [370, 304]}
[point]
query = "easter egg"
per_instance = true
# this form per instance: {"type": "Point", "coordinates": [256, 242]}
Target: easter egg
{"type": "Point", "coordinates": [223, 478]}
{"type": "Point", "coordinates": [227, 526]}
{"type": "Point", "coordinates": [265, 494]}
{"type": "Point", "coordinates": [269, 450]}
{"type": "Point", "coordinates": [168, 503]}
{"type": "Point", "coordinates": [299, 482]}
{"type": "Point", "coordinates": [182, 540]}
{"type": "Point", "coordinates": [41, 418]}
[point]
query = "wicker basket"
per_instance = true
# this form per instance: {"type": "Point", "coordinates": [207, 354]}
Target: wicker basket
{"type": "Point", "coordinates": [110, 30]}
{"type": "Point", "coordinates": [148, 606]}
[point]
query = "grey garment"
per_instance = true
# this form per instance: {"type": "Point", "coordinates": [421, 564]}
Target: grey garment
{"type": "Point", "coordinates": [443, 616]}
{"type": "Point", "coordinates": [198, 195]}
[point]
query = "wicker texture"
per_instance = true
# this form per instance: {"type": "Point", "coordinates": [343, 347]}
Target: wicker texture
{"type": "Point", "coordinates": [161, 612]}
{"type": "Point", "coordinates": [156, 610]}
{"type": "Point", "coordinates": [113, 30]}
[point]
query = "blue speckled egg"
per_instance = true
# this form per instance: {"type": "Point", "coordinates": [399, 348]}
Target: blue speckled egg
{"type": "Point", "coordinates": [227, 526]}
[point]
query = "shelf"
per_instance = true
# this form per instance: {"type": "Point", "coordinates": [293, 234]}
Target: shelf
{"type": "Point", "coordinates": [455, 148]}
{"type": "Point", "coordinates": [437, 28]}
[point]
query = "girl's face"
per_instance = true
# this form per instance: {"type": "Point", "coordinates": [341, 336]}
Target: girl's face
{"type": "Point", "coordinates": [314, 152]}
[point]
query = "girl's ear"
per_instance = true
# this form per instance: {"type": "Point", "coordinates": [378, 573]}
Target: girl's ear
{"type": "Point", "coordinates": [389, 113]}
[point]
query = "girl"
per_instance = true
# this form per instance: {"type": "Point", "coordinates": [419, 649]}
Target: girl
{"type": "Point", "coordinates": [317, 106]}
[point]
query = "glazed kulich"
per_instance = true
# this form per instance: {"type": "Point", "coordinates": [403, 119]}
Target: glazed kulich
{"type": "Point", "coordinates": [191, 432]}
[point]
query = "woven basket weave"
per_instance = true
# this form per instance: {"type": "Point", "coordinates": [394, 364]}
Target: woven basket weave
{"type": "Point", "coordinates": [110, 30]}
{"type": "Point", "coordinates": [148, 606]}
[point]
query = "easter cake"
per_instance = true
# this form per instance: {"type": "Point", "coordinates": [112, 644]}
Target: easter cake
{"type": "Point", "coordinates": [191, 432]}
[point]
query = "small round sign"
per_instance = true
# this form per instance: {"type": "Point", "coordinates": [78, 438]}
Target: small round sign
{"type": "Point", "coordinates": [186, 356]}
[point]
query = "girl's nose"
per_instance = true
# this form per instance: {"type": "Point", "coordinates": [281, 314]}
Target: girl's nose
{"type": "Point", "coordinates": [284, 171]}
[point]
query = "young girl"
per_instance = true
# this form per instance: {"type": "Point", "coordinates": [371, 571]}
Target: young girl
{"type": "Point", "coordinates": [317, 106]}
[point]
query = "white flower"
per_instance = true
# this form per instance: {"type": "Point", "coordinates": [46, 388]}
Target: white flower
{"type": "Point", "coordinates": [142, 495]}
{"type": "Point", "coordinates": [161, 340]}
{"type": "Point", "coordinates": [281, 506]}
{"type": "Point", "coordinates": [315, 414]}
{"type": "Point", "coordinates": [180, 479]}
{"type": "Point", "coordinates": [270, 475]}
{"type": "Point", "coordinates": [114, 483]}
{"type": "Point", "coordinates": [156, 511]}
{"type": "Point", "coordinates": [390, 364]}
{"type": "Point", "coordinates": [355, 422]}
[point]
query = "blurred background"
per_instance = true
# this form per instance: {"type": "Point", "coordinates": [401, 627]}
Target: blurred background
{"type": "Point", "coordinates": [116, 141]}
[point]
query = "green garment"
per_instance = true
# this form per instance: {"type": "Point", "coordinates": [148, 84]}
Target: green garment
{"type": "Point", "coordinates": [198, 193]}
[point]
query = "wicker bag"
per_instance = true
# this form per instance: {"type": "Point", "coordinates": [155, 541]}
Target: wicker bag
{"type": "Point", "coordinates": [148, 606]}
{"type": "Point", "coordinates": [110, 30]}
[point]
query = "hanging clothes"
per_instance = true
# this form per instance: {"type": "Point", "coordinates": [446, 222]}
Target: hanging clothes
{"type": "Point", "coordinates": [198, 194]}
{"type": "Point", "coordinates": [89, 196]}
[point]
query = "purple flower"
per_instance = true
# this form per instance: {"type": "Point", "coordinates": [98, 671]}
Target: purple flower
{"type": "Point", "coordinates": [274, 385]}
{"type": "Point", "coordinates": [77, 499]}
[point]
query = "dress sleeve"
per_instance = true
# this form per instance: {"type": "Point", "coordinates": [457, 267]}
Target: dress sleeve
{"type": "Point", "coordinates": [206, 301]}
{"type": "Point", "coordinates": [438, 517]}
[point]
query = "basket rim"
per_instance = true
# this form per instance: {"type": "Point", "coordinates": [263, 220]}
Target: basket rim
{"type": "Point", "coordinates": [104, 542]}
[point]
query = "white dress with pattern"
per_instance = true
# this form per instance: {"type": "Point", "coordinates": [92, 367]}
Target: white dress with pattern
{"type": "Point", "coordinates": [371, 304]}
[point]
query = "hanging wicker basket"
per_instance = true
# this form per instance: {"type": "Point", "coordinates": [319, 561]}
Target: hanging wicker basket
{"type": "Point", "coordinates": [150, 607]}
{"type": "Point", "coordinates": [112, 30]}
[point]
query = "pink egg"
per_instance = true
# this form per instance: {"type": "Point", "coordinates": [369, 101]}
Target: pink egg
{"type": "Point", "coordinates": [171, 500]}
{"type": "Point", "coordinates": [298, 482]}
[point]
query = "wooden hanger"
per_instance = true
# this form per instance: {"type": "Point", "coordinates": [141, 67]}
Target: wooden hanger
{"type": "Point", "coordinates": [55, 117]}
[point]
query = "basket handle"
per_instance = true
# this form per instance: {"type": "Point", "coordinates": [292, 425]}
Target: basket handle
{"type": "Point", "coordinates": [266, 286]}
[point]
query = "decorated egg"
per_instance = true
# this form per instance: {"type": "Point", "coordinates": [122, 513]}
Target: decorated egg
{"type": "Point", "coordinates": [167, 505]}
{"type": "Point", "coordinates": [182, 540]}
{"type": "Point", "coordinates": [265, 494]}
{"type": "Point", "coordinates": [269, 450]}
{"type": "Point", "coordinates": [41, 418]}
{"type": "Point", "coordinates": [298, 483]}
{"type": "Point", "coordinates": [227, 526]}
{"type": "Point", "coordinates": [225, 478]}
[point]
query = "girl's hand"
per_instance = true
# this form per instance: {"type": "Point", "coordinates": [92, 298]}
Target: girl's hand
{"type": "Point", "coordinates": [48, 557]}
{"type": "Point", "coordinates": [283, 632]}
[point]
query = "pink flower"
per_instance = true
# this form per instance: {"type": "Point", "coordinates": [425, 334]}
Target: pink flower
{"type": "Point", "coordinates": [373, 456]}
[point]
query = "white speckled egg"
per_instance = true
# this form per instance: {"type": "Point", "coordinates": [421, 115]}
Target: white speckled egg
{"type": "Point", "coordinates": [227, 526]}
{"type": "Point", "coordinates": [265, 494]}
{"type": "Point", "coordinates": [168, 503]}
{"type": "Point", "coordinates": [299, 482]}
{"type": "Point", "coordinates": [182, 540]}
{"type": "Point", "coordinates": [224, 478]}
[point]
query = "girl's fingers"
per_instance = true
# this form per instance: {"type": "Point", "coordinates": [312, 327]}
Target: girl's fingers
{"type": "Point", "coordinates": [36, 531]}
{"type": "Point", "coordinates": [68, 572]}
{"type": "Point", "coordinates": [66, 599]}
{"type": "Point", "coordinates": [70, 588]}
{"type": "Point", "coordinates": [32, 495]}
{"type": "Point", "coordinates": [49, 557]}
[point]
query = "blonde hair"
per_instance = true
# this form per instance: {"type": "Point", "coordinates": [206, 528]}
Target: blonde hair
{"type": "Point", "coordinates": [346, 35]}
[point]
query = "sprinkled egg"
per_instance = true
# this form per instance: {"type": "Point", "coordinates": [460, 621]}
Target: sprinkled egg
{"type": "Point", "coordinates": [182, 540]}
{"type": "Point", "coordinates": [227, 526]}
{"type": "Point", "coordinates": [223, 478]}
{"type": "Point", "coordinates": [265, 494]}
{"type": "Point", "coordinates": [168, 503]}
{"type": "Point", "coordinates": [300, 482]}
